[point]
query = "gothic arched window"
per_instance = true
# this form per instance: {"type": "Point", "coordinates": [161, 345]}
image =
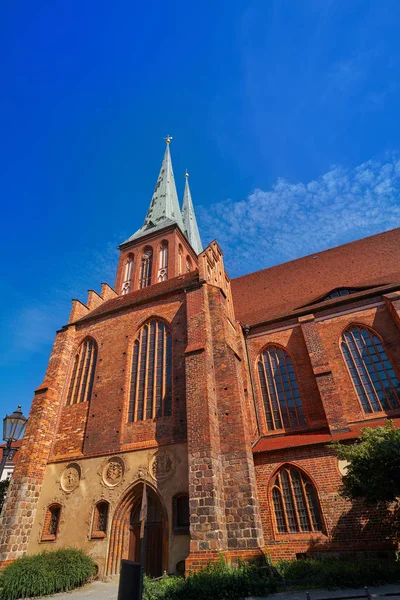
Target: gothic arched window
{"type": "Point", "coordinates": [146, 268]}
{"type": "Point", "coordinates": [127, 282]}
{"type": "Point", "coordinates": [295, 500]}
{"type": "Point", "coordinates": [163, 262]}
{"type": "Point", "coordinates": [151, 375]}
{"type": "Point", "coordinates": [371, 370]}
{"type": "Point", "coordinates": [280, 391]}
{"type": "Point", "coordinates": [82, 377]}
{"type": "Point", "coordinates": [189, 265]}
{"type": "Point", "coordinates": [51, 523]}
{"type": "Point", "coordinates": [100, 519]}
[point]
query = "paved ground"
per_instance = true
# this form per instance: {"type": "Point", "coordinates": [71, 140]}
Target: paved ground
{"type": "Point", "coordinates": [93, 591]}
{"type": "Point", "coordinates": [109, 591]}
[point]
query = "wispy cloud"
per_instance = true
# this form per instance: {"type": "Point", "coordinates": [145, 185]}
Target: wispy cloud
{"type": "Point", "coordinates": [295, 219]}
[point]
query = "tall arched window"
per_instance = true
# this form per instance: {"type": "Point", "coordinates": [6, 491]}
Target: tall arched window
{"type": "Point", "coordinates": [163, 262]}
{"type": "Point", "coordinates": [151, 376]}
{"type": "Point", "coordinates": [189, 266]}
{"type": "Point", "coordinates": [371, 370]}
{"type": "Point", "coordinates": [82, 377]}
{"type": "Point", "coordinates": [295, 501]}
{"type": "Point", "coordinates": [280, 391]}
{"type": "Point", "coordinates": [128, 271]}
{"type": "Point", "coordinates": [146, 268]}
{"type": "Point", "coordinates": [180, 260]}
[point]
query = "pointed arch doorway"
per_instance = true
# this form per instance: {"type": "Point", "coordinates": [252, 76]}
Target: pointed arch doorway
{"type": "Point", "coordinates": [125, 539]}
{"type": "Point", "coordinates": [154, 535]}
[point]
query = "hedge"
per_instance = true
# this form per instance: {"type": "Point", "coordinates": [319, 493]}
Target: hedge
{"type": "Point", "coordinates": [46, 573]}
{"type": "Point", "coordinates": [218, 581]}
{"type": "Point", "coordinates": [332, 573]}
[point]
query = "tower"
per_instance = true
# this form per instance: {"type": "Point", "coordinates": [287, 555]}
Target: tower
{"type": "Point", "coordinates": [166, 245]}
{"type": "Point", "coordinates": [144, 384]}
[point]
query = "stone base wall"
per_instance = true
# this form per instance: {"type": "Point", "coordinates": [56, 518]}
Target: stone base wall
{"type": "Point", "coordinates": [17, 518]}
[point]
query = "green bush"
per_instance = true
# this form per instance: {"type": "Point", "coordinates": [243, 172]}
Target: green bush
{"type": "Point", "coordinates": [218, 581]}
{"type": "Point", "coordinates": [46, 573]}
{"type": "Point", "coordinates": [330, 573]}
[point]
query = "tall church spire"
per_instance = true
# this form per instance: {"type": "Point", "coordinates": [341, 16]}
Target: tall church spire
{"type": "Point", "coordinates": [164, 206]}
{"type": "Point", "coordinates": [189, 219]}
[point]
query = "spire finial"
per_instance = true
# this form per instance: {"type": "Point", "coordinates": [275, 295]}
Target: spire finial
{"type": "Point", "coordinates": [186, 174]}
{"type": "Point", "coordinates": [168, 139]}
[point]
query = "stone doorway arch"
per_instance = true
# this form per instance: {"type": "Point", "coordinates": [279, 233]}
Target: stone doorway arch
{"type": "Point", "coordinates": [124, 538]}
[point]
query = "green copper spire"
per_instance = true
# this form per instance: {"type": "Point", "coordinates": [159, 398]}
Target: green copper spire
{"type": "Point", "coordinates": [164, 207]}
{"type": "Point", "coordinates": [189, 219]}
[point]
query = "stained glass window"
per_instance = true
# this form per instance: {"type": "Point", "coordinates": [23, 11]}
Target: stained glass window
{"type": "Point", "coordinates": [295, 501]}
{"type": "Point", "coordinates": [280, 391]}
{"type": "Point", "coordinates": [372, 372]}
{"type": "Point", "coordinates": [151, 374]}
{"type": "Point", "coordinates": [82, 377]}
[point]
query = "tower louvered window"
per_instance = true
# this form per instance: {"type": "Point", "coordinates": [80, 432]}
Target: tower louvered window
{"type": "Point", "coordinates": [82, 377]}
{"type": "Point", "coordinates": [151, 376]}
{"type": "Point", "coordinates": [280, 391]}
{"type": "Point", "coordinates": [371, 370]}
{"type": "Point", "coordinates": [146, 268]}
{"type": "Point", "coordinates": [295, 502]}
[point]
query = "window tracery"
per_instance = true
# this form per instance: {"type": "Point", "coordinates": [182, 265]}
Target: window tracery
{"type": "Point", "coordinates": [280, 391]}
{"type": "Point", "coordinates": [128, 271]}
{"type": "Point", "coordinates": [163, 262]}
{"type": "Point", "coordinates": [82, 377]}
{"type": "Point", "coordinates": [146, 268]}
{"type": "Point", "coordinates": [151, 374]}
{"type": "Point", "coordinates": [295, 501]}
{"type": "Point", "coordinates": [373, 376]}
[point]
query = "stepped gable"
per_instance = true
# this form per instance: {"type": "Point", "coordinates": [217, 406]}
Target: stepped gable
{"type": "Point", "coordinates": [138, 296]}
{"type": "Point", "coordinates": [279, 291]}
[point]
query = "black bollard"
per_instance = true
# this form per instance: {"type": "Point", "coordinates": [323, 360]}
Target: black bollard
{"type": "Point", "coordinates": [129, 581]}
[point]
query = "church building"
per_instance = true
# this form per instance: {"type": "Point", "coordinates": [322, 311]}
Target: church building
{"type": "Point", "coordinates": [221, 395]}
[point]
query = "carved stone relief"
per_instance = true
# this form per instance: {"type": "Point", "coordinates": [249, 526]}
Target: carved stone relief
{"type": "Point", "coordinates": [71, 477]}
{"type": "Point", "coordinates": [162, 465]}
{"type": "Point", "coordinates": [113, 471]}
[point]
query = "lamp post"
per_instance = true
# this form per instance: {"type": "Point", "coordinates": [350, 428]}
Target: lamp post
{"type": "Point", "coordinates": [13, 427]}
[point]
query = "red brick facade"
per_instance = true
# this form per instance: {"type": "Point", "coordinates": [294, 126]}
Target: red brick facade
{"type": "Point", "coordinates": [219, 332]}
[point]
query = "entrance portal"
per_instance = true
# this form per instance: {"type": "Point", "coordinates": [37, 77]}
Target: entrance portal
{"type": "Point", "coordinates": [154, 535]}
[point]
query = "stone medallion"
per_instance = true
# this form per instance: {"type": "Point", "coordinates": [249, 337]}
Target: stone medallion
{"type": "Point", "coordinates": [71, 477]}
{"type": "Point", "coordinates": [113, 471]}
{"type": "Point", "coordinates": [162, 465]}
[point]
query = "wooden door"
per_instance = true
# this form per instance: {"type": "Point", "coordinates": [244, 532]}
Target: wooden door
{"type": "Point", "coordinates": [154, 537]}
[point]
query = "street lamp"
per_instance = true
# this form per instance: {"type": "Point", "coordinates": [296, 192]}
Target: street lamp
{"type": "Point", "coordinates": [13, 427]}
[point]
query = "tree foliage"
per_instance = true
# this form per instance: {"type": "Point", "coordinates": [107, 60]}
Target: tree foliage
{"type": "Point", "coordinates": [3, 491]}
{"type": "Point", "coordinates": [373, 473]}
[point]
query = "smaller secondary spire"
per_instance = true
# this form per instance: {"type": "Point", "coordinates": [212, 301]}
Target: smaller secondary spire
{"type": "Point", "coordinates": [189, 219]}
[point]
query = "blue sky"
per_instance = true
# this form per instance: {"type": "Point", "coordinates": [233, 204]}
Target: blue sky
{"type": "Point", "coordinates": [285, 112]}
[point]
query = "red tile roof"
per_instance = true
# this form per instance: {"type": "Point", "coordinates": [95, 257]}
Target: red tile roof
{"type": "Point", "coordinates": [148, 293]}
{"type": "Point", "coordinates": [278, 291]}
{"type": "Point", "coordinates": [16, 444]}
{"type": "Point", "coordinates": [279, 442]}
